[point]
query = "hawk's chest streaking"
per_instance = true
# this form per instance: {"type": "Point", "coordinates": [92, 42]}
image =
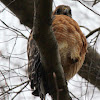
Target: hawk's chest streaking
{"type": "Point", "coordinates": [71, 43]}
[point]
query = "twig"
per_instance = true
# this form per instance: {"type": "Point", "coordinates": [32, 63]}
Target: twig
{"type": "Point", "coordinates": [14, 87]}
{"type": "Point", "coordinates": [4, 78]}
{"type": "Point", "coordinates": [86, 28]}
{"type": "Point", "coordinates": [19, 53]}
{"type": "Point", "coordinates": [98, 29]}
{"type": "Point", "coordinates": [73, 95]}
{"type": "Point", "coordinates": [8, 40]}
{"type": "Point", "coordinates": [55, 80]}
{"type": "Point", "coordinates": [94, 40]}
{"type": "Point", "coordinates": [96, 37]}
{"type": "Point", "coordinates": [88, 8]}
{"type": "Point", "coordinates": [13, 29]}
{"type": "Point", "coordinates": [19, 91]}
{"type": "Point", "coordinates": [7, 57]}
{"type": "Point", "coordinates": [95, 2]}
{"type": "Point", "coordinates": [8, 5]}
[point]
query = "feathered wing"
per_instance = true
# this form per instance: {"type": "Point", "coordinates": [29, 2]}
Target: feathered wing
{"type": "Point", "coordinates": [33, 64]}
{"type": "Point", "coordinates": [36, 72]}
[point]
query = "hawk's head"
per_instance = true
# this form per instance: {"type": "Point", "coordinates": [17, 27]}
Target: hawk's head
{"type": "Point", "coordinates": [63, 10]}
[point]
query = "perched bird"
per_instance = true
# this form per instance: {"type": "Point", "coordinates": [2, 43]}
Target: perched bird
{"type": "Point", "coordinates": [72, 47]}
{"type": "Point", "coordinates": [72, 43]}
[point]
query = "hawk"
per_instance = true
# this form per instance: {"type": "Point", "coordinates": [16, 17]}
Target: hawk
{"type": "Point", "coordinates": [72, 47]}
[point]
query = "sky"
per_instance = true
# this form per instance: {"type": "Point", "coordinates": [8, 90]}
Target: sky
{"type": "Point", "coordinates": [15, 47]}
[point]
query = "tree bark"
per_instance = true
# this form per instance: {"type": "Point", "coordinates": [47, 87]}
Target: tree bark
{"type": "Point", "coordinates": [23, 9]}
{"type": "Point", "coordinates": [91, 68]}
{"type": "Point", "coordinates": [50, 58]}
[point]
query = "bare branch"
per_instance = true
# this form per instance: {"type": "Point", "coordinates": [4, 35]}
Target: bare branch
{"type": "Point", "coordinates": [92, 32]}
{"type": "Point", "coordinates": [86, 28]}
{"type": "Point", "coordinates": [88, 8]}
{"type": "Point", "coordinates": [14, 87]}
{"type": "Point", "coordinates": [22, 9]}
{"type": "Point", "coordinates": [50, 58]}
{"type": "Point", "coordinates": [91, 68]}
{"type": "Point", "coordinates": [95, 2]}
{"type": "Point", "coordinates": [19, 91]}
{"type": "Point", "coordinates": [15, 30]}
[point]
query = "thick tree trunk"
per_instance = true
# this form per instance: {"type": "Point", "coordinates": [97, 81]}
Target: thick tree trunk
{"type": "Point", "coordinates": [23, 9]}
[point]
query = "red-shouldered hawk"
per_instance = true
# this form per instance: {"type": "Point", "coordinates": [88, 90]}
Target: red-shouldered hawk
{"type": "Point", "coordinates": [72, 46]}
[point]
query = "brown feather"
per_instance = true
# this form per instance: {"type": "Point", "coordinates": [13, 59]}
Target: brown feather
{"type": "Point", "coordinates": [71, 42]}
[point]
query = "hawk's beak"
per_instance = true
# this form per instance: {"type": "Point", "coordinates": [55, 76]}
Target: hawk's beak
{"type": "Point", "coordinates": [66, 12]}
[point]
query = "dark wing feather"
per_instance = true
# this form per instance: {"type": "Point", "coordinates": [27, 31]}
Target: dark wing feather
{"type": "Point", "coordinates": [34, 65]}
{"type": "Point", "coordinates": [35, 69]}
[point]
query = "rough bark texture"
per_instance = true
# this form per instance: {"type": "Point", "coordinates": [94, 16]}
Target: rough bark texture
{"type": "Point", "coordinates": [23, 9]}
{"type": "Point", "coordinates": [44, 37]}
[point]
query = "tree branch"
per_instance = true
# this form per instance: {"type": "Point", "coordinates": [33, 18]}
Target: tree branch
{"type": "Point", "coordinates": [91, 68]}
{"type": "Point", "coordinates": [47, 44]}
{"type": "Point", "coordinates": [92, 32]}
{"type": "Point", "coordinates": [23, 9]}
{"type": "Point", "coordinates": [88, 8]}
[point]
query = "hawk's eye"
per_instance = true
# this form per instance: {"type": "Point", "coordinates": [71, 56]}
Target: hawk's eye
{"type": "Point", "coordinates": [58, 11]}
{"type": "Point", "coordinates": [69, 11]}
